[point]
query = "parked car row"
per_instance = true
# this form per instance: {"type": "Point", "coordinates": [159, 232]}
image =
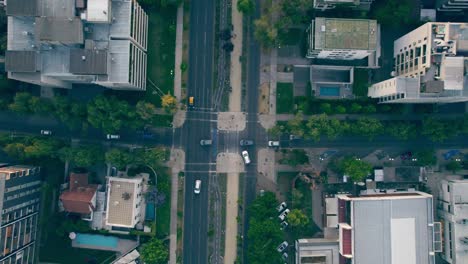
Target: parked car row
{"type": "Point", "coordinates": [282, 208]}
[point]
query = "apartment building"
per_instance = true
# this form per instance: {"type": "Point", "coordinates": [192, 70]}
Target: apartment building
{"type": "Point", "coordinates": [452, 208]}
{"type": "Point", "coordinates": [451, 5]}
{"type": "Point", "coordinates": [430, 66]}
{"type": "Point", "coordinates": [344, 39]}
{"type": "Point", "coordinates": [331, 4]}
{"type": "Point", "coordinates": [60, 43]}
{"type": "Point", "coordinates": [124, 203]}
{"type": "Point", "coordinates": [20, 188]}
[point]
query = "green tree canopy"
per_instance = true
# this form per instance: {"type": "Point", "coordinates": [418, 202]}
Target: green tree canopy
{"type": "Point", "coordinates": [453, 166]}
{"type": "Point", "coordinates": [426, 157]}
{"type": "Point", "coordinates": [297, 218]}
{"type": "Point", "coordinates": [246, 6]}
{"type": "Point", "coordinates": [145, 110]}
{"type": "Point", "coordinates": [261, 207]}
{"type": "Point", "coordinates": [119, 158]}
{"type": "Point", "coordinates": [357, 170]}
{"type": "Point", "coordinates": [21, 103]}
{"type": "Point", "coordinates": [154, 252]}
{"type": "Point", "coordinates": [402, 130]}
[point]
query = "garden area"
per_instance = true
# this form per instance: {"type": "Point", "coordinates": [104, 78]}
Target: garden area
{"type": "Point", "coordinates": [284, 98]}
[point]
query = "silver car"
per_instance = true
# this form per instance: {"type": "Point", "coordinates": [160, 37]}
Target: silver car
{"type": "Point", "coordinates": [282, 246]}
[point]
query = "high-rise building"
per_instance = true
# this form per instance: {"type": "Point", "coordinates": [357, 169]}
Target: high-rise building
{"type": "Point", "coordinates": [451, 5]}
{"type": "Point", "coordinates": [59, 43]}
{"type": "Point", "coordinates": [344, 39]}
{"type": "Point", "coordinates": [20, 188]}
{"type": "Point", "coordinates": [430, 66]}
{"type": "Point", "coordinates": [331, 4]}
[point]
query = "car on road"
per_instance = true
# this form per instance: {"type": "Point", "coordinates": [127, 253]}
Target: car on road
{"type": "Point", "coordinates": [273, 144]}
{"type": "Point", "coordinates": [197, 188]}
{"type": "Point", "coordinates": [284, 224]}
{"type": "Point", "coordinates": [282, 246]}
{"type": "Point", "coordinates": [206, 142]}
{"type": "Point", "coordinates": [111, 136]}
{"type": "Point", "coordinates": [281, 207]}
{"type": "Point", "coordinates": [294, 137]}
{"type": "Point", "coordinates": [325, 155]}
{"type": "Point", "coordinates": [283, 215]}
{"type": "Point", "coordinates": [46, 132]}
{"type": "Point", "coordinates": [246, 142]}
{"type": "Point", "coordinates": [245, 156]}
{"type": "Point", "coordinates": [191, 101]}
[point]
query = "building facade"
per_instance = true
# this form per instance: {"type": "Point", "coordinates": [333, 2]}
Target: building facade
{"type": "Point", "coordinates": [453, 210]}
{"type": "Point", "coordinates": [452, 5]}
{"type": "Point", "coordinates": [430, 66]}
{"type": "Point", "coordinates": [56, 44]}
{"type": "Point", "coordinates": [331, 4]}
{"type": "Point", "coordinates": [344, 39]}
{"type": "Point", "coordinates": [20, 188]}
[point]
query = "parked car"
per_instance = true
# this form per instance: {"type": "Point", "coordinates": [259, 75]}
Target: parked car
{"type": "Point", "coordinates": [191, 101]}
{"type": "Point", "coordinates": [281, 207]}
{"type": "Point", "coordinates": [46, 132]}
{"type": "Point", "coordinates": [245, 156]}
{"type": "Point", "coordinates": [282, 246]}
{"type": "Point", "coordinates": [285, 256]}
{"type": "Point", "coordinates": [273, 144]}
{"type": "Point", "coordinates": [197, 187]}
{"type": "Point", "coordinates": [283, 215]}
{"type": "Point", "coordinates": [206, 142]}
{"type": "Point", "coordinates": [294, 137]}
{"type": "Point", "coordinates": [246, 142]}
{"type": "Point", "coordinates": [284, 224]}
{"type": "Point", "coordinates": [110, 136]}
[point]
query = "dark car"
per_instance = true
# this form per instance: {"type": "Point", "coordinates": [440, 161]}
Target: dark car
{"type": "Point", "coordinates": [246, 142]}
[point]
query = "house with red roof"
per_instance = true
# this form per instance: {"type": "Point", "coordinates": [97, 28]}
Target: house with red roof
{"type": "Point", "coordinates": [80, 198]}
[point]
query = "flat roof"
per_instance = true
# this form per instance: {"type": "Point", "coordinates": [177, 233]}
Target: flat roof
{"type": "Point", "coordinates": [98, 11]}
{"type": "Point", "coordinates": [83, 61]}
{"type": "Point", "coordinates": [341, 33]}
{"type": "Point", "coordinates": [21, 61]}
{"type": "Point", "coordinates": [386, 228]}
{"type": "Point", "coordinates": [64, 30]}
{"type": "Point", "coordinates": [121, 201]}
{"type": "Point", "coordinates": [22, 8]}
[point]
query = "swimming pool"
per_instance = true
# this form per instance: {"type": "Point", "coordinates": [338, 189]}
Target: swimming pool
{"type": "Point", "coordinates": [97, 240]}
{"type": "Point", "coordinates": [329, 91]}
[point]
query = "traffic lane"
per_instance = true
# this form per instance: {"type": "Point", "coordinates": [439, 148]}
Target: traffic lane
{"type": "Point", "coordinates": [195, 218]}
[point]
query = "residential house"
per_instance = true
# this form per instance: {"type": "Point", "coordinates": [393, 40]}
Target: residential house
{"type": "Point", "coordinates": [20, 193]}
{"type": "Point", "coordinates": [430, 66]}
{"type": "Point", "coordinates": [80, 198]}
{"type": "Point", "coordinates": [345, 39]}
{"type": "Point", "coordinates": [60, 43]}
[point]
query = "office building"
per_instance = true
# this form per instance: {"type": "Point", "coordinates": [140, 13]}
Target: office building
{"type": "Point", "coordinates": [331, 4]}
{"type": "Point", "coordinates": [451, 5]}
{"type": "Point", "coordinates": [57, 43]}
{"type": "Point", "coordinates": [20, 189]}
{"type": "Point", "coordinates": [345, 39]}
{"type": "Point", "coordinates": [430, 66]}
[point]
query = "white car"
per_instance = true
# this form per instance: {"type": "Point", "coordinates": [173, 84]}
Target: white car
{"type": "Point", "coordinates": [282, 246]}
{"type": "Point", "coordinates": [197, 187]}
{"type": "Point", "coordinates": [273, 144]}
{"type": "Point", "coordinates": [46, 132]}
{"type": "Point", "coordinates": [281, 207]}
{"type": "Point", "coordinates": [284, 224]}
{"type": "Point", "coordinates": [110, 136]}
{"type": "Point", "coordinates": [245, 156]}
{"type": "Point", "coordinates": [283, 215]}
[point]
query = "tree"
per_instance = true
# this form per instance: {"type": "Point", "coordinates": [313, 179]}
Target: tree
{"type": "Point", "coordinates": [119, 158]}
{"type": "Point", "coordinates": [110, 114]}
{"type": "Point", "coordinates": [145, 110]}
{"type": "Point", "coordinates": [261, 206]}
{"type": "Point", "coordinates": [355, 108]}
{"type": "Point", "coordinates": [326, 108]}
{"type": "Point", "coordinates": [40, 147]}
{"type": "Point", "coordinates": [340, 109]}
{"type": "Point", "coordinates": [275, 131]}
{"type": "Point", "coordinates": [368, 127]}
{"type": "Point", "coordinates": [154, 252]}
{"type": "Point", "coordinates": [357, 170]}
{"type": "Point", "coordinates": [87, 156]}
{"type": "Point", "coordinates": [246, 6]}
{"type": "Point", "coordinates": [437, 130]}
{"type": "Point", "coordinates": [169, 103]}
{"type": "Point", "coordinates": [296, 197]}
{"type": "Point", "coordinates": [296, 125]}
{"type": "Point", "coordinates": [453, 166]}
{"type": "Point", "coordinates": [369, 109]}
{"type": "Point", "coordinates": [402, 130]}
{"type": "Point", "coordinates": [296, 157]}
{"type": "Point", "coordinates": [264, 32]}
{"type": "Point", "coordinates": [394, 10]}
{"type": "Point", "coordinates": [153, 157]}
{"type": "Point", "coordinates": [297, 218]}
{"type": "Point", "coordinates": [21, 103]}
{"type": "Point", "coordinates": [15, 150]}
{"type": "Point", "coordinates": [426, 157]}
{"type": "Point", "coordinates": [264, 237]}
{"type": "Point", "coordinates": [39, 105]}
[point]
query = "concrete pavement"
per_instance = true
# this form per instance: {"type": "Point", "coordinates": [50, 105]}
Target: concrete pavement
{"type": "Point", "coordinates": [177, 163]}
{"type": "Point", "coordinates": [236, 67]}
{"type": "Point", "coordinates": [178, 52]}
{"type": "Point", "coordinates": [232, 196]}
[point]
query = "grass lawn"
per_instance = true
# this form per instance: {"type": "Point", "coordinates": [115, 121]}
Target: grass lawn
{"type": "Point", "coordinates": [161, 48]}
{"type": "Point", "coordinates": [163, 212]}
{"type": "Point", "coordinates": [284, 98]}
{"type": "Point", "coordinates": [361, 82]}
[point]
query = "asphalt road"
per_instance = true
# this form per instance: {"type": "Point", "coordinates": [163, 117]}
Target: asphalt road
{"type": "Point", "coordinates": [199, 126]}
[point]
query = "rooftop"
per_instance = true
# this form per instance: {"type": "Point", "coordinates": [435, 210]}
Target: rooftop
{"type": "Point", "coordinates": [63, 30]}
{"type": "Point", "coordinates": [22, 8]}
{"type": "Point", "coordinates": [341, 33]}
{"type": "Point", "coordinates": [88, 61]}
{"type": "Point", "coordinates": [317, 251]}
{"type": "Point", "coordinates": [122, 199]}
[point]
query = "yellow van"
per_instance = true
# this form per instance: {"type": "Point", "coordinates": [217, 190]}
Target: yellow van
{"type": "Point", "coordinates": [190, 101]}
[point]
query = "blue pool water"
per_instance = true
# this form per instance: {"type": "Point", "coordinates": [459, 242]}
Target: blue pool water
{"type": "Point", "coordinates": [330, 91]}
{"type": "Point", "coordinates": [96, 240]}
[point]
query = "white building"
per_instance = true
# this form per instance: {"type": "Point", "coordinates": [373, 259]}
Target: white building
{"type": "Point", "coordinates": [58, 43]}
{"type": "Point", "coordinates": [453, 211]}
{"type": "Point", "coordinates": [331, 4]}
{"type": "Point", "coordinates": [434, 55]}
{"type": "Point", "coordinates": [452, 5]}
{"type": "Point", "coordinates": [124, 202]}
{"type": "Point", "coordinates": [344, 39]}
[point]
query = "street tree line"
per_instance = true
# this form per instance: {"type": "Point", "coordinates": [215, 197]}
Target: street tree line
{"type": "Point", "coordinates": [319, 126]}
{"type": "Point", "coordinates": [103, 112]}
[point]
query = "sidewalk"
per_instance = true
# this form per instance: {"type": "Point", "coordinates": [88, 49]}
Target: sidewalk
{"type": "Point", "coordinates": [178, 53]}
{"type": "Point", "coordinates": [236, 67]}
{"type": "Point", "coordinates": [409, 117]}
{"type": "Point", "coordinates": [177, 163]}
{"type": "Point", "coordinates": [231, 218]}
